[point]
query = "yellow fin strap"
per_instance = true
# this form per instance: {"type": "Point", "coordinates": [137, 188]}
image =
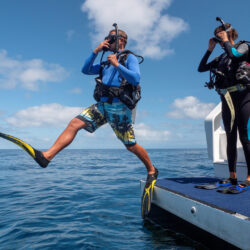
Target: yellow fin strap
{"type": "Point", "coordinates": [148, 192]}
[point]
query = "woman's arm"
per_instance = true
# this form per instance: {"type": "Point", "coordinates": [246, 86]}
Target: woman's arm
{"type": "Point", "coordinates": [233, 53]}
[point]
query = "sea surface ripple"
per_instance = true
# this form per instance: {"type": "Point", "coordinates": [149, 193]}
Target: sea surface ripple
{"type": "Point", "coordinates": [87, 199]}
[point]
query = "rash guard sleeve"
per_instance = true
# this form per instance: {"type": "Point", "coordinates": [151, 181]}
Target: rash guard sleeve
{"type": "Point", "coordinates": [132, 72]}
{"type": "Point", "coordinates": [89, 68]}
{"type": "Point", "coordinates": [204, 66]}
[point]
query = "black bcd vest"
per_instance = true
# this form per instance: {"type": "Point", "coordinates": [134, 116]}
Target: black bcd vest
{"type": "Point", "coordinates": [127, 92]}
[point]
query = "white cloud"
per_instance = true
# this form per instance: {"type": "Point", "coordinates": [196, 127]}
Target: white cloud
{"type": "Point", "coordinates": [76, 91]}
{"type": "Point", "coordinates": [54, 115]}
{"type": "Point", "coordinates": [149, 29]}
{"type": "Point", "coordinates": [28, 73]}
{"type": "Point", "coordinates": [146, 133]}
{"type": "Point", "coordinates": [190, 107]}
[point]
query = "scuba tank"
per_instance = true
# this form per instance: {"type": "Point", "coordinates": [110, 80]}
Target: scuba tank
{"type": "Point", "coordinates": [243, 71]}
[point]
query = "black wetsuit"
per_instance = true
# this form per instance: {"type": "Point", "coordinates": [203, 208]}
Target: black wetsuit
{"type": "Point", "coordinates": [227, 64]}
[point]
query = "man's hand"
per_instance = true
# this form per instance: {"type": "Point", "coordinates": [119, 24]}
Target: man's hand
{"type": "Point", "coordinates": [102, 45]}
{"type": "Point", "coordinates": [113, 60]}
{"type": "Point", "coordinates": [223, 36]}
{"type": "Point", "coordinates": [211, 44]}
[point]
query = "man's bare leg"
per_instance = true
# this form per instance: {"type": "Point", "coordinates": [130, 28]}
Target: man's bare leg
{"type": "Point", "coordinates": [66, 137]}
{"type": "Point", "coordinates": [142, 154]}
{"type": "Point", "coordinates": [147, 195]}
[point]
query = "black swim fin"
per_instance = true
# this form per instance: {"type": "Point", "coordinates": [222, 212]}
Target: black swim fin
{"type": "Point", "coordinates": [236, 189]}
{"type": "Point", "coordinates": [218, 184]}
{"type": "Point", "coordinates": [148, 194]}
{"type": "Point", "coordinates": [35, 154]}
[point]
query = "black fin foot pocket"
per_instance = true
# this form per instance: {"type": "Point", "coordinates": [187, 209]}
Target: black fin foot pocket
{"type": "Point", "coordinates": [40, 159]}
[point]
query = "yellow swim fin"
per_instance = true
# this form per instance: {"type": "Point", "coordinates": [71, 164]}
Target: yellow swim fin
{"type": "Point", "coordinates": [35, 154]}
{"type": "Point", "coordinates": [148, 194]}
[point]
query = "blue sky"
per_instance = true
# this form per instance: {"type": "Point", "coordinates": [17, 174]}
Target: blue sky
{"type": "Point", "coordinates": [44, 44]}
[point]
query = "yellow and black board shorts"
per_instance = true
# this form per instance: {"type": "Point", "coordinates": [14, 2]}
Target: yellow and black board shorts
{"type": "Point", "coordinates": [117, 114]}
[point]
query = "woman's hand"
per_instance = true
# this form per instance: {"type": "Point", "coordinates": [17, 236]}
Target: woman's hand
{"type": "Point", "coordinates": [223, 36]}
{"type": "Point", "coordinates": [211, 44]}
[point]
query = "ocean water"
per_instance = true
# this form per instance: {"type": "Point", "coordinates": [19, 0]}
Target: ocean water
{"type": "Point", "coordinates": [87, 199]}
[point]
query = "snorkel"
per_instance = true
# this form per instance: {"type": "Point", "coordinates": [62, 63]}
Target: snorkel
{"type": "Point", "coordinates": [113, 38]}
{"type": "Point", "coordinates": [218, 39]}
{"type": "Point", "coordinates": [117, 38]}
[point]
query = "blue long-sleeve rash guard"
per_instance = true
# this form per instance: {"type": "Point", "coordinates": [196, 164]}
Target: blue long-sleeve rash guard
{"type": "Point", "coordinates": [112, 75]}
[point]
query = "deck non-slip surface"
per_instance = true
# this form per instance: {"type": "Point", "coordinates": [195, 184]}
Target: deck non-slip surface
{"type": "Point", "coordinates": [238, 203]}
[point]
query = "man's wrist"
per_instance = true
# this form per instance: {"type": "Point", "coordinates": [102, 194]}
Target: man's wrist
{"type": "Point", "coordinates": [95, 51]}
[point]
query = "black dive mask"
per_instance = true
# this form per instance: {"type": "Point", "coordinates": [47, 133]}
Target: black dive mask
{"type": "Point", "coordinates": [111, 38]}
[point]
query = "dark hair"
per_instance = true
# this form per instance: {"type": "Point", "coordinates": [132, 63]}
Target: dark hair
{"type": "Point", "coordinates": [123, 34]}
{"type": "Point", "coordinates": [232, 32]}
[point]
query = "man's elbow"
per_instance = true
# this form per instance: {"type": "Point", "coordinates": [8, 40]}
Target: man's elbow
{"type": "Point", "coordinates": [85, 71]}
{"type": "Point", "coordinates": [137, 79]}
{"type": "Point", "coordinates": [134, 80]}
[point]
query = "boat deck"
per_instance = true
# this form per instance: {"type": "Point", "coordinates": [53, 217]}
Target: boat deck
{"type": "Point", "coordinates": [230, 203]}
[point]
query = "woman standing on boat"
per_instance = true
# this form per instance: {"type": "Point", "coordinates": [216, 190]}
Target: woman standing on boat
{"type": "Point", "coordinates": [235, 98]}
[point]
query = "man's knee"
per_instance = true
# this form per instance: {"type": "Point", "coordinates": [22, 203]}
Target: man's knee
{"type": "Point", "coordinates": [132, 148]}
{"type": "Point", "coordinates": [76, 124]}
